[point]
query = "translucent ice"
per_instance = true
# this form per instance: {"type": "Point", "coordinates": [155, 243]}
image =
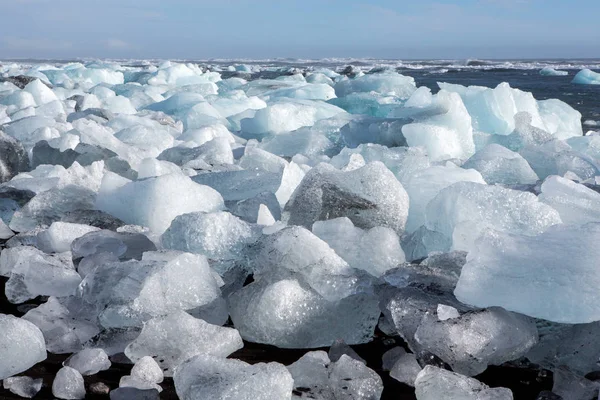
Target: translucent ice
{"type": "Point", "coordinates": [288, 314]}
{"type": "Point", "coordinates": [587, 77]}
{"type": "Point", "coordinates": [385, 83]}
{"type": "Point", "coordinates": [21, 345]}
{"type": "Point", "coordinates": [68, 384]}
{"type": "Point", "coordinates": [13, 158]}
{"type": "Point", "coordinates": [370, 196]}
{"type": "Point", "coordinates": [575, 203]}
{"type": "Point", "coordinates": [311, 376]}
{"type": "Point", "coordinates": [178, 337]}
{"type": "Point", "coordinates": [462, 211]}
{"type": "Point", "coordinates": [59, 236]}
{"type": "Point", "coordinates": [573, 387]}
{"type": "Point", "coordinates": [88, 361]}
{"type": "Point", "coordinates": [374, 251]}
{"type": "Point", "coordinates": [475, 340]}
{"type": "Point", "coordinates": [423, 185]}
{"type": "Point", "coordinates": [148, 370]}
{"type": "Point", "coordinates": [435, 383]}
{"type": "Point", "coordinates": [62, 333]}
{"type": "Point", "coordinates": [206, 377]}
{"type": "Point", "coordinates": [497, 164]}
{"type": "Point", "coordinates": [556, 270]}
{"type": "Point", "coordinates": [155, 202]}
{"type": "Point", "coordinates": [447, 133]}
{"type": "Point", "coordinates": [23, 386]}
{"type": "Point", "coordinates": [33, 273]}
{"type": "Point", "coordinates": [127, 294]}
{"type": "Point", "coordinates": [406, 369]}
{"type": "Point", "coordinates": [285, 115]}
{"type": "Point", "coordinates": [218, 236]}
{"type": "Point", "coordinates": [50, 206]}
{"type": "Point", "coordinates": [350, 378]}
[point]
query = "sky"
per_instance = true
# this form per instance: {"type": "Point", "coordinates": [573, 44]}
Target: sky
{"type": "Point", "coordinates": [258, 29]}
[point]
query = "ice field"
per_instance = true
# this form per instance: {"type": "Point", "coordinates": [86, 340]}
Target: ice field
{"type": "Point", "coordinates": [168, 215]}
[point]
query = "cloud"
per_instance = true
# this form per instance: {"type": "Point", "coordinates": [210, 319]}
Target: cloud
{"type": "Point", "coordinates": [116, 44]}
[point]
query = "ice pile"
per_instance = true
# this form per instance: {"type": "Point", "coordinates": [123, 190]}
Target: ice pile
{"type": "Point", "coordinates": [168, 214]}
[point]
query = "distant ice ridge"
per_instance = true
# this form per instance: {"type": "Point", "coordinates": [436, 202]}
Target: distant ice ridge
{"type": "Point", "coordinates": [173, 212]}
{"type": "Point", "coordinates": [548, 71]}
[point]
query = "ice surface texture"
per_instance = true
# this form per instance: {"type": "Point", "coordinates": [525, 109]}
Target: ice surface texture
{"type": "Point", "coordinates": [170, 211]}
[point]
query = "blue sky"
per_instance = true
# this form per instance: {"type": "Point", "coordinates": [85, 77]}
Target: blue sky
{"type": "Point", "coordinates": [200, 29]}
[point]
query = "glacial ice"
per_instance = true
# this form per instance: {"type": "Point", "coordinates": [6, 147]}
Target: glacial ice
{"type": "Point", "coordinates": [501, 336]}
{"type": "Point", "coordinates": [499, 165]}
{"type": "Point", "coordinates": [222, 181]}
{"type": "Point", "coordinates": [374, 251]}
{"type": "Point", "coordinates": [298, 317]}
{"type": "Point", "coordinates": [23, 386]}
{"type": "Point", "coordinates": [435, 383]}
{"type": "Point", "coordinates": [88, 361]}
{"type": "Point", "coordinates": [587, 77]}
{"type": "Point", "coordinates": [558, 283]}
{"type": "Point", "coordinates": [549, 71]}
{"type": "Point", "coordinates": [68, 384]}
{"type": "Point", "coordinates": [155, 202]}
{"type": "Point", "coordinates": [575, 203]}
{"type": "Point", "coordinates": [464, 210]}
{"type": "Point", "coordinates": [177, 337]}
{"type": "Point", "coordinates": [126, 294]}
{"type": "Point", "coordinates": [21, 346]}
{"type": "Point", "coordinates": [370, 196]}
{"type": "Point", "coordinates": [406, 369]}
{"type": "Point", "coordinates": [207, 377]}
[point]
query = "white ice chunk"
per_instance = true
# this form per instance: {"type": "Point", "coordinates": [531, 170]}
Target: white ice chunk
{"type": "Point", "coordinates": [549, 71]}
{"type": "Point", "coordinates": [464, 210]}
{"type": "Point", "coordinates": [21, 345]}
{"type": "Point", "coordinates": [206, 377]}
{"type": "Point", "coordinates": [370, 196]}
{"type": "Point", "coordinates": [384, 83]}
{"type": "Point", "coordinates": [146, 369]}
{"type": "Point", "coordinates": [406, 369]}
{"type": "Point", "coordinates": [88, 361]}
{"type": "Point", "coordinates": [218, 236]}
{"type": "Point", "coordinates": [352, 379]}
{"type": "Point", "coordinates": [375, 250]}
{"type": "Point", "coordinates": [501, 336]}
{"type": "Point", "coordinates": [423, 185]}
{"type": "Point", "coordinates": [178, 337]}
{"type": "Point", "coordinates": [555, 272]}
{"type": "Point", "coordinates": [155, 202]}
{"type": "Point", "coordinates": [290, 315]}
{"type": "Point", "coordinates": [286, 115]}
{"type": "Point", "coordinates": [446, 134]}
{"type": "Point", "coordinates": [497, 164]}
{"type": "Point", "coordinates": [587, 77]}
{"type": "Point", "coordinates": [23, 386]}
{"type": "Point", "coordinates": [445, 312]}
{"type": "Point", "coordinates": [575, 203]}
{"type": "Point", "coordinates": [435, 383]}
{"type": "Point", "coordinates": [68, 384]}
{"type": "Point", "coordinates": [41, 93]}
{"type": "Point", "coordinates": [59, 236]}
{"type": "Point", "coordinates": [62, 333]}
